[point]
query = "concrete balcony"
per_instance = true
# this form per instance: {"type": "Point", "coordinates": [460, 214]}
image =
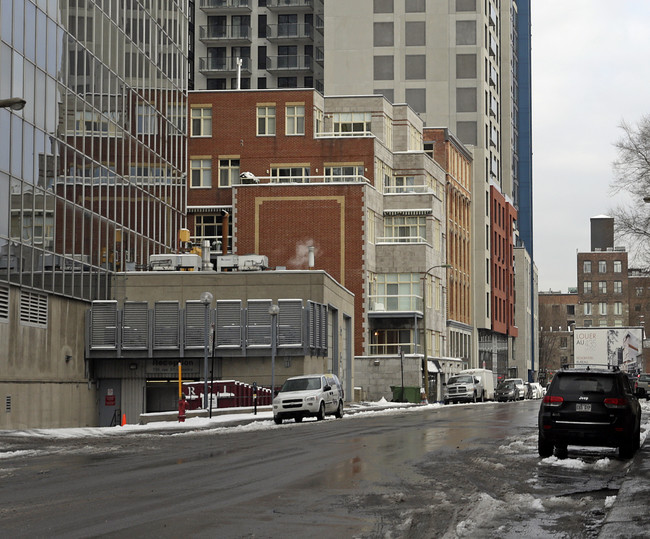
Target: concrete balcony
{"type": "Point", "coordinates": [223, 66]}
{"type": "Point", "coordinates": [292, 6]}
{"type": "Point", "coordinates": [296, 64]}
{"type": "Point", "coordinates": [291, 32]}
{"type": "Point", "coordinates": [219, 34]}
{"type": "Point", "coordinates": [218, 7]}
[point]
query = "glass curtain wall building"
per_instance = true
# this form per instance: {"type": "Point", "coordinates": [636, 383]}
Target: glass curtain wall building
{"type": "Point", "coordinates": [91, 170]}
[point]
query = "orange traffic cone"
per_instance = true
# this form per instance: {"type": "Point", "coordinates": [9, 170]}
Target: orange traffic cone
{"type": "Point", "coordinates": [123, 419]}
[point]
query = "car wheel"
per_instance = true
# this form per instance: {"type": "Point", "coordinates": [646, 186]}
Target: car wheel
{"type": "Point", "coordinates": [483, 396]}
{"type": "Point", "coordinates": [544, 447]}
{"type": "Point", "coordinates": [298, 419]}
{"type": "Point", "coordinates": [561, 452]}
{"type": "Point", "coordinates": [626, 449]}
{"type": "Point", "coordinates": [278, 420]}
{"type": "Point", "coordinates": [321, 412]}
{"type": "Point", "coordinates": [339, 410]}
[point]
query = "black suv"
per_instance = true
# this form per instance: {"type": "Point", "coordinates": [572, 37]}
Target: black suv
{"type": "Point", "coordinates": [589, 407]}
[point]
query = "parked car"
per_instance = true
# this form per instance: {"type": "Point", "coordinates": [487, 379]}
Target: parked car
{"type": "Point", "coordinates": [589, 407]}
{"type": "Point", "coordinates": [519, 382]}
{"type": "Point", "coordinates": [463, 388]}
{"type": "Point", "coordinates": [535, 391]}
{"type": "Point", "coordinates": [315, 395]}
{"type": "Point", "coordinates": [642, 386]}
{"type": "Point", "coordinates": [506, 391]}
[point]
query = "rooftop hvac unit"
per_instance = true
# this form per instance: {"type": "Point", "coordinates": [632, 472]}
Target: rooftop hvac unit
{"type": "Point", "coordinates": [253, 262]}
{"type": "Point", "coordinates": [227, 262]}
{"type": "Point", "coordinates": [175, 262]}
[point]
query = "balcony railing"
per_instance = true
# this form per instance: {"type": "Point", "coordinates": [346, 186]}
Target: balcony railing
{"type": "Point", "coordinates": [220, 6]}
{"type": "Point", "coordinates": [223, 65]}
{"type": "Point", "coordinates": [406, 189]}
{"type": "Point", "coordinates": [279, 5]}
{"type": "Point", "coordinates": [393, 349]}
{"type": "Point", "coordinates": [401, 239]}
{"type": "Point", "coordinates": [395, 302]}
{"type": "Point", "coordinates": [217, 32]}
{"type": "Point", "coordinates": [289, 31]}
{"type": "Point", "coordinates": [289, 63]}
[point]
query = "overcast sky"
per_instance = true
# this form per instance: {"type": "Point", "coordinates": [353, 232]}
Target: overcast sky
{"type": "Point", "coordinates": [591, 70]}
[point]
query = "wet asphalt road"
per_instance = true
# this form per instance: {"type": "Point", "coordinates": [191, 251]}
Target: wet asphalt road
{"type": "Point", "coordinates": [457, 471]}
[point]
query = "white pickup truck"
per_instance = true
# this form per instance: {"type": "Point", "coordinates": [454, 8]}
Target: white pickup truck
{"type": "Point", "coordinates": [463, 388]}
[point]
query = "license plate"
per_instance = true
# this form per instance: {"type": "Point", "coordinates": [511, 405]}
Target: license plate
{"type": "Point", "coordinates": [583, 407]}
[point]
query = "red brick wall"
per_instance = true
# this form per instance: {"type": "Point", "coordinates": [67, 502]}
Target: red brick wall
{"type": "Point", "coordinates": [282, 221]}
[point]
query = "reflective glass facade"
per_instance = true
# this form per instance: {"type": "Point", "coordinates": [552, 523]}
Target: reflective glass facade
{"type": "Point", "coordinates": [91, 170]}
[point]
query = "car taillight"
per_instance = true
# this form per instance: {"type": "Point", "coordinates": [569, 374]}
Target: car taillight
{"type": "Point", "coordinates": [553, 400]}
{"type": "Point", "coordinates": [615, 402]}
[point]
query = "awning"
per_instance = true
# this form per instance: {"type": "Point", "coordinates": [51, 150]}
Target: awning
{"type": "Point", "coordinates": [208, 209]}
{"type": "Point", "coordinates": [409, 212]}
{"type": "Point", "coordinates": [433, 365]}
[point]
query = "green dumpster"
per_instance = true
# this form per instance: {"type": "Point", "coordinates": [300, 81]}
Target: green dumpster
{"type": "Point", "coordinates": [410, 394]}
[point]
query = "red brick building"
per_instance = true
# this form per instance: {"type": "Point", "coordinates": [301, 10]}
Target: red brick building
{"type": "Point", "coordinates": [277, 172]}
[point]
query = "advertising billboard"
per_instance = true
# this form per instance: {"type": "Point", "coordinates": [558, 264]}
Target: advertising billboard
{"type": "Point", "coordinates": [609, 347]}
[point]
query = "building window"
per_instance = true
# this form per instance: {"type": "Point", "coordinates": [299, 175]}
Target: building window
{"type": "Point", "coordinates": [602, 308]}
{"type": "Point", "coordinates": [563, 342]}
{"type": "Point", "coordinates": [618, 287]}
{"type": "Point", "coordinates": [205, 228]}
{"type": "Point", "coordinates": [618, 308]}
{"type": "Point", "coordinates": [287, 174]}
{"type": "Point", "coordinates": [570, 310]}
{"type": "Point", "coordinates": [588, 323]}
{"type": "Point", "coordinates": [602, 266]}
{"type": "Point", "coordinates": [228, 172]}
{"type": "Point", "coordinates": [587, 308]}
{"type": "Point", "coordinates": [618, 323]}
{"type": "Point", "coordinates": [397, 291]}
{"type": "Point", "coordinates": [200, 172]}
{"type": "Point", "coordinates": [201, 122]}
{"type": "Point", "coordinates": [602, 287]}
{"type": "Point", "coordinates": [295, 120]}
{"type": "Point", "coordinates": [586, 266]}
{"type": "Point", "coordinates": [344, 173]}
{"type": "Point", "coordinates": [146, 120]}
{"type": "Point", "coordinates": [352, 122]}
{"type": "Point", "coordinates": [265, 120]}
{"type": "Point", "coordinates": [639, 291]}
{"type": "Point", "coordinates": [403, 229]}
{"type": "Point", "coordinates": [618, 266]}
{"type": "Point", "coordinates": [586, 287]}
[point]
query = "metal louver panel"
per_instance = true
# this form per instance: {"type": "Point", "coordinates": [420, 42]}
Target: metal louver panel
{"type": "Point", "coordinates": [33, 308]}
{"type": "Point", "coordinates": [166, 325]}
{"type": "Point", "coordinates": [103, 325]}
{"type": "Point", "coordinates": [195, 324]}
{"type": "Point", "coordinates": [312, 324]}
{"type": "Point", "coordinates": [290, 322]}
{"type": "Point", "coordinates": [4, 303]}
{"type": "Point", "coordinates": [229, 327]}
{"type": "Point", "coordinates": [323, 328]}
{"type": "Point", "coordinates": [135, 325]}
{"type": "Point", "coordinates": [258, 328]}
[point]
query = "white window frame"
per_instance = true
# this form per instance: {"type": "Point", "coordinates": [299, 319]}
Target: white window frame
{"type": "Point", "coordinates": [586, 287]}
{"type": "Point", "coordinates": [586, 308]}
{"type": "Point", "coordinates": [294, 120]}
{"type": "Point", "coordinates": [405, 228]}
{"type": "Point", "coordinates": [602, 287]}
{"type": "Point", "coordinates": [290, 173]}
{"type": "Point", "coordinates": [602, 266]}
{"type": "Point", "coordinates": [203, 168]}
{"type": "Point", "coordinates": [229, 168]}
{"type": "Point", "coordinates": [602, 308]}
{"type": "Point", "coordinates": [586, 266]}
{"type": "Point", "coordinates": [618, 287]}
{"type": "Point", "coordinates": [352, 122]}
{"type": "Point", "coordinates": [618, 308]}
{"type": "Point", "coordinates": [618, 266]}
{"type": "Point", "coordinates": [265, 120]}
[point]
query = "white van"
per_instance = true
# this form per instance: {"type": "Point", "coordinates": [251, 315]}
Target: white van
{"type": "Point", "coordinates": [487, 380]}
{"type": "Point", "coordinates": [313, 395]}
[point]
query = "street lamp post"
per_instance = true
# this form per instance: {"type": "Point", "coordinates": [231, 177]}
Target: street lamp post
{"type": "Point", "coordinates": [13, 103]}
{"type": "Point", "coordinates": [206, 299]}
{"type": "Point", "coordinates": [273, 311]}
{"type": "Point", "coordinates": [424, 324]}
